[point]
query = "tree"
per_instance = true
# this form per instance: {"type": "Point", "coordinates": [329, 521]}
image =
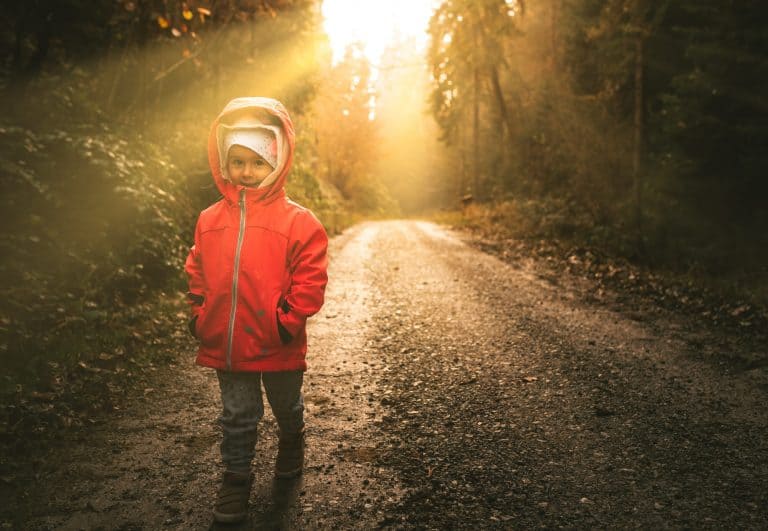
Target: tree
{"type": "Point", "coordinates": [620, 30]}
{"type": "Point", "coordinates": [412, 163]}
{"type": "Point", "coordinates": [347, 135]}
{"type": "Point", "coordinates": [711, 112]}
{"type": "Point", "coordinates": [467, 57]}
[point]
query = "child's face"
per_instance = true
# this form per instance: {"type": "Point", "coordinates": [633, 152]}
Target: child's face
{"type": "Point", "coordinates": [246, 167]}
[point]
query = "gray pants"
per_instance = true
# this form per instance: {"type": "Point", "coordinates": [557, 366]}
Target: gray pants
{"type": "Point", "coordinates": [243, 408]}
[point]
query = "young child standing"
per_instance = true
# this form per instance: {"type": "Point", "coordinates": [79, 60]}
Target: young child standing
{"type": "Point", "coordinates": [257, 271]}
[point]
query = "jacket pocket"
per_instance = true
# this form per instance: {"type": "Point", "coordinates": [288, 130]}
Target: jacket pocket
{"type": "Point", "coordinates": [259, 326]}
{"type": "Point", "coordinates": [206, 329]}
{"type": "Point", "coordinates": [285, 335]}
{"type": "Point", "coordinates": [274, 334]}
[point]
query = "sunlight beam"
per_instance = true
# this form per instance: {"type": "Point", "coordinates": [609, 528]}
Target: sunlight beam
{"type": "Point", "coordinates": [375, 24]}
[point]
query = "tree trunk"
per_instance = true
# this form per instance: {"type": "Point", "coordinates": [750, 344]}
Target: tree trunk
{"type": "Point", "coordinates": [17, 65]}
{"type": "Point", "coordinates": [40, 24]}
{"type": "Point", "coordinates": [500, 99]}
{"type": "Point", "coordinates": [462, 188]}
{"type": "Point", "coordinates": [555, 8]}
{"type": "Point", "coordinates": [639, 133]}
{"type": "Point", "coordinates": [476, 133]}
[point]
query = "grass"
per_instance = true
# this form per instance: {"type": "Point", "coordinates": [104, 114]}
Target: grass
{"type": "Point", "coordinates": [84, 373]}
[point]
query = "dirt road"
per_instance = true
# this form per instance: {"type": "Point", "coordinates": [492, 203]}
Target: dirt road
{"type": "Point", "coordinates": [446, 390]}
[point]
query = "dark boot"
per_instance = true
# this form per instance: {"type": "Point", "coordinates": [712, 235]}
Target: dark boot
{"type": "Point", "coordinates": [290, 455]}
{"type": "Point", "coordinates": [232, 501]}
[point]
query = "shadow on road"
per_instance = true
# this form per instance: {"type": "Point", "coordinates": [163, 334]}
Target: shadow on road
{"type": "Point", "coordinates": [274, 515]}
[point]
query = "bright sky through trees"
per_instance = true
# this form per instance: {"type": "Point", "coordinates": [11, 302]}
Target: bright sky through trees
{"type": "Point", "coordinates": [374, 24]}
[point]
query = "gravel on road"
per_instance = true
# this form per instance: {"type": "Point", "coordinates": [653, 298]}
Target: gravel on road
{"type": "Point", "coordinates": [447, 389]}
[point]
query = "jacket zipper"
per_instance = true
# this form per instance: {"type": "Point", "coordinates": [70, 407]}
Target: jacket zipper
{"type": "Point", "coordinates": [235, 275]}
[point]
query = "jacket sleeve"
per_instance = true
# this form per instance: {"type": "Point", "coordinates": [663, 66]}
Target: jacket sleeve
{"type": "Point", "coordinates": [194, 270]}
{"type": "Point", "coordinates": [308, 262]}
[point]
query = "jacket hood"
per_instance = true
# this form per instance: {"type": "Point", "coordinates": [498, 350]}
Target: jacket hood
{"type": "Point", "coordinates": [255, 112]}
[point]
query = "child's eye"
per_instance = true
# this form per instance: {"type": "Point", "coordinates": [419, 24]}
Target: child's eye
{"type": "Point", "coordinates": [236, 162]}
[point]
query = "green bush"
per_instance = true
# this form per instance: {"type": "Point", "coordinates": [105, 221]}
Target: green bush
{"type": "Point", "coordinates": [93, 223]}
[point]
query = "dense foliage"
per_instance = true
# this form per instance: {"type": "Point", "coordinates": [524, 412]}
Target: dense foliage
{"type": "Point", "coordinates": [94, 222]}
{"type": "Point", "coordinates": [639, 125]}
{"type": "Point", "coordinates": [105, 114]}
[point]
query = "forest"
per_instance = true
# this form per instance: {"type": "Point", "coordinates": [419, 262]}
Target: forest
{"type": "Point", "coordinates": [633, 128]}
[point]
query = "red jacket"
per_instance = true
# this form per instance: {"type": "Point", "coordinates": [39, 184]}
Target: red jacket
{"type": "Point", "coordinates": [258, 263]}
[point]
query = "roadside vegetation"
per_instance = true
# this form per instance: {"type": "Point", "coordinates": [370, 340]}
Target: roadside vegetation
{"type": "Point", "coordinates": [626, 131]}
{"type": "Point", "coordinates": [623, 140]}
{"type": "Point", "coordinates": [103, 172]}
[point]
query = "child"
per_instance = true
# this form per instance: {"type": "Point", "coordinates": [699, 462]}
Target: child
{"type": "Point", "coordinates": [257, 271]}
